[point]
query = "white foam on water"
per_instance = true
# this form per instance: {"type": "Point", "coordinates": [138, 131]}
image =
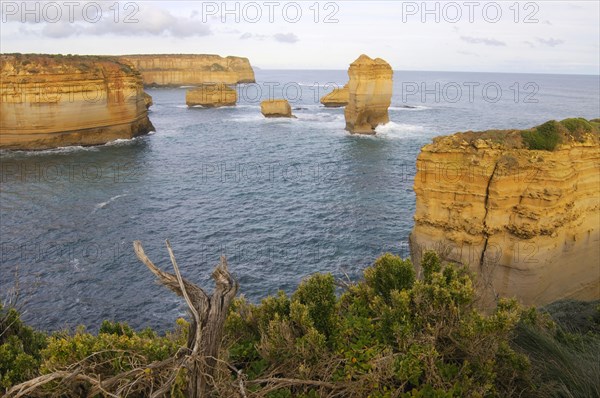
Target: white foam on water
{"type": "Point", "coordinates": [399, 130]}
{"type": "Point", "coordinates": [102, 205]}
{"type": "Point", "coordinates": [52, 151]}
{"type": "Point", "coordinates": [121, 141]}
{"type": "Point", "coordinates": [409, 108]}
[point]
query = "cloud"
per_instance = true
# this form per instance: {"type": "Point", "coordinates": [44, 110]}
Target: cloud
{"type": "Point", "coordinates": [249, 35]}
{"type": "Point", "coordinates": [148, 20]}
{"type": "Point", "coordinates": [530, 44]}
{"type": "Point", "coordinates": [551, 42]}
{"type": "Point", "coordinates": [482, 40]}
{"type": "Point", "coordinates": [467, 53]}
{"type": "Point", "coordinates": [286, 37]}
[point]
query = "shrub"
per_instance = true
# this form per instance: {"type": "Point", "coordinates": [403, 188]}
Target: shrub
{"type": "Point", "coordinates": [544, 137]}
{"type": "Point", "coordinates": [390, 273]}
{"type": "Point", "coordinates": [20, 349]}
{"type": "Point", "coordinates": [317, 293]}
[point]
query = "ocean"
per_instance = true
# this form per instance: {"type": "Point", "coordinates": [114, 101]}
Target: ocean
{"type": "Point", "coordinates": [281, 198]}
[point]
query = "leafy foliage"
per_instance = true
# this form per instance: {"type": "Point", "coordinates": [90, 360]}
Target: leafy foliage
{"type": "Point", "coordinates": [544, 137]}
{"type": "Point", "coordinates": [390, 334]}
{"type": "Point", "coordinates": [20, 349]}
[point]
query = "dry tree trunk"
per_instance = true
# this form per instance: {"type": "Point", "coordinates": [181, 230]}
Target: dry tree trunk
{"type": "Point", "coordinates": [208, 318]}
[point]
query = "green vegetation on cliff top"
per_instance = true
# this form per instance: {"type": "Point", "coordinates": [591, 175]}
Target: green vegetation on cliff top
{"type": "Point", "coordinates": [546, 137]}
{"type": "Point", "coordinates": [390, 335]}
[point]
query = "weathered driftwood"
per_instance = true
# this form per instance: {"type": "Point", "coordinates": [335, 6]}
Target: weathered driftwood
{"type": "Point", "coordinates": [200, 357]}
{"type": "Point", "coordinates": [208, 317]}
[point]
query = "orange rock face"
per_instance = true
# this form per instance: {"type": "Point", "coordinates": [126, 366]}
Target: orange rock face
{"type": "Point", "coordinates": [370, 94]}
{"type": "Point", "coordinates": [526, 221]}
{"type": "Point", "coordinates": [51, 101]}
{"type": "Point", "coordinates": [211, 96]}
{"type": "Point", "coordinates": [337, 98]}
{"type": "Point", "coordinates": [191, 69]}
{"type": "Point", "coordinates": [276, 108]}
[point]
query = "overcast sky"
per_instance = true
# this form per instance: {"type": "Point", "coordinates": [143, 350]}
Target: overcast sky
{"type": "Point", "coordinates": [502, 36]}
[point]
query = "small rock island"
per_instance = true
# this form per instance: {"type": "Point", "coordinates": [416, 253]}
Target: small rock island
{"type": "Point", "coordinates": [276, 108]}
{"type": "Point", "coordinates": [211, 95]}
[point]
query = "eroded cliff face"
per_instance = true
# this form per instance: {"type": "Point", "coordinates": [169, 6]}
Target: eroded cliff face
{"type": "Point", "coordinates": [49, 101]}
{"type": "Point", "coordinates": [370, 94]}
{"type": "Point", "coordinates": [526, 221]}
{"type": "Point", "coordinates": [191, 69]}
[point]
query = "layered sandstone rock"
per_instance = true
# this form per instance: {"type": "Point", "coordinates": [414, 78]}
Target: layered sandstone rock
{"type": "Point", "coordinates": [191, 69]}
{"type": "Point", "coordinates": [526, 221]}
{"type": "Point", "coordinates": [337, 98]}
{"type": "Point", "coordinates": [49, 101]}
{"type": "Point", "coordinates": [370, 94]}
{"type": "Point", "coordinates": [211, 96]}
{"type": "Point", "coordinates": [276, 108]}
{"type": "Point", "coordinates": [148, 100]}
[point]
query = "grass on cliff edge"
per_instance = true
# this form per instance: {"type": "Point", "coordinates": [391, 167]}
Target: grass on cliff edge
{"type": "Point", "coordinates": [545, 137]}
{"type": "Point", "coordinates": [391, 334]}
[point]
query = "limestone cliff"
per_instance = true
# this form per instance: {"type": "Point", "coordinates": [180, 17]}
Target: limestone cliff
{"type": "Point", "coordinates": [370, 94]}
{"type": "Point", "coordinates": [211, 95]}
{"type": "Point", "coordinates": [527, 221]}
{"type": "Point", "coordinates": [191, 69]}
{"type": "Point", "coordinates": [49, 101]}
{"type": "Point", "coordinates": [337, 98]}
{"type": "Point", "coordinates": [276, 108]}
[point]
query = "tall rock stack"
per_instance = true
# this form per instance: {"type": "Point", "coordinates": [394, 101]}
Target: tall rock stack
{"type": "Point", "coordinates": [526, 221]}
{"type": "Point", "coordinates": [370, 94]}
{"type": "Point", "coordinates": [49, 101]}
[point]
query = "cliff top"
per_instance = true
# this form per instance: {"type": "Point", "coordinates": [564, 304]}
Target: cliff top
{"type": "Point", "coordinates": [181, 56]}
{"type": "Point", "coordinates": [49, 64]}
{"type": "Point", "coordinates": [364, 59]}
{"type": "Point", "coordinates": [547, 136]}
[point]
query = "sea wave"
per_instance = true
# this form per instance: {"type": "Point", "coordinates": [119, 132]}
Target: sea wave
{"type": "Point", "coordinates": [399, 130]}
{"type": "Point", "coordinates": [102, 205]}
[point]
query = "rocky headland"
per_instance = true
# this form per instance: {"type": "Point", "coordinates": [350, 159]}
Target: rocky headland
{"type": "Point", "coordinates": [191, 69]}
{"type": "Point", "coordinates": [369, 94]}
{"type": "Point", "coordinates": [49, 101]}
{"type": "Point", "coordinates": [520, 208]}
{"type": "Point", "coordinates": [211, 95]}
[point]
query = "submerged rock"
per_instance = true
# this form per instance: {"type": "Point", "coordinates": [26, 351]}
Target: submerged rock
{"type": "Point", "coordinates": [337, 98]}
{"type": "Point", "coordinates": [211, 96]}
{"type": "Point", "coordinates": [276, 108]}
{"type": "Point", "coordinates": [370, 94]}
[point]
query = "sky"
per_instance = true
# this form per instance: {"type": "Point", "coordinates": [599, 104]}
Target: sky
{"type": "Point", "coordinates": [470, 36]}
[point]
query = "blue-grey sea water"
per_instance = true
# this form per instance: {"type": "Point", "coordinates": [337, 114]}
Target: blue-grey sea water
{"type": "Point", "coordinates": [282, 198]}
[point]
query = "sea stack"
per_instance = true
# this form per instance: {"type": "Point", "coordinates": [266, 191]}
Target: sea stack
{"type": "Point", "coordinates": [337, 98]}
{"type": "Point", "coordinates": [526, 221]}
{"type": "Point", "coordinates": [211, 96]}
{"type": "Point", "coordinates": [276, 108]}
{"type": "Point", "coordinates": [49, 101]}
{"type": "Point", "coordinates": [370, 94]}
